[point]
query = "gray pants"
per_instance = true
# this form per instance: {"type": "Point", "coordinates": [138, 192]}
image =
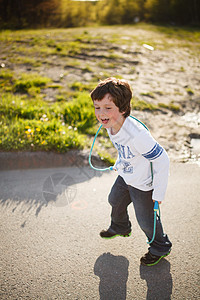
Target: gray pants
{"type": "Point", "coordinates": [120, 197]}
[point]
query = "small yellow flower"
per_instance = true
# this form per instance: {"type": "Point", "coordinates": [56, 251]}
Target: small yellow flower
{"type": "Point", "coordinates": [28, 131]}
{"type": "Point", "coordinates": [37, 129]}
{"type": "Point", "coordinates": [43, 142]}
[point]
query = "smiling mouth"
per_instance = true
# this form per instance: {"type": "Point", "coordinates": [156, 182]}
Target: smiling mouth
{"type": "Point", "coordinates": [104, 121]}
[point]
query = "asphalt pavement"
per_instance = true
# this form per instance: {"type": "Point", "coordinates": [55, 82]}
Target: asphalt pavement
{"type": "Point", "coordinates": [50, 247]}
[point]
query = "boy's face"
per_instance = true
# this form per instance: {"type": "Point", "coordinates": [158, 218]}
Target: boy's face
{"type": "Point", "coordinates": [108, 114]}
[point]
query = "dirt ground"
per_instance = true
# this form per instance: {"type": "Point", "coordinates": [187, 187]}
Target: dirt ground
{"type": "Point", "coordinates": [168, 73]}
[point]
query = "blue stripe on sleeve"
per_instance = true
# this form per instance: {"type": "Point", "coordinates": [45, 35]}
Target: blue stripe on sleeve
{"type": "Point", "coordinates": [154, 153]}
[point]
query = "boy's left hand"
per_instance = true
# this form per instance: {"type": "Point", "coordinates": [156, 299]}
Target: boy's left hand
{"type": "Point", "coordinates": [159, 202]}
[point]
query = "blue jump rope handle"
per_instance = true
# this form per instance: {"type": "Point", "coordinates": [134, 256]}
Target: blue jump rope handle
{"type": "Point", "coordinates": [156, 209]}
{"type": "Point", "coordinates": [156, 206]}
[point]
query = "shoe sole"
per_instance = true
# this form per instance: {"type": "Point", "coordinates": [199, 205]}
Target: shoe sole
{"type": "Point", "coordinates": [114, 236]}
{"type": "Point", "coordinates": [149, 265]}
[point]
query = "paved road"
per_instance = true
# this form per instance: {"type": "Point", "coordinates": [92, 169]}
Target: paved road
{"type": "Point", "coordinates": [50, 246]}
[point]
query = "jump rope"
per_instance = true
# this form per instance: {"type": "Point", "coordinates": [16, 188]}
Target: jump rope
{"type": "Point", "coordinates": [156, 205]}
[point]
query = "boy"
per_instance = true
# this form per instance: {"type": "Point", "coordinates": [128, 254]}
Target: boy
{"type": "Point", "coordinates": [136, 149]}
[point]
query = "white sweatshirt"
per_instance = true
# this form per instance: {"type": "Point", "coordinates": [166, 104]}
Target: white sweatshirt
{"type": "Point", "coordinates": [136, 149]}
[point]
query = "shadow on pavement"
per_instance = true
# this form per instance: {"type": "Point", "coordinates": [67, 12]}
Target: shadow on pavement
{"type": "Point", "coordinates": [36, 188]}
{"type": "Point", "coordinates": [159, 280]}
{"type": "Point", "coordinates": [113, 273]}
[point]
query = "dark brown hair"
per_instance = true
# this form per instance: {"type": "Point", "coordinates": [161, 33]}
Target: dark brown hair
{"type": "Point", "coordinates": [119, 90]}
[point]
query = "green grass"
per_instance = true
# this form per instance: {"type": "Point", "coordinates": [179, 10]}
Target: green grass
{"type": "Point", "coordinates": [34, 125]}
{"type": "Point", "coordinates": [27, 83]}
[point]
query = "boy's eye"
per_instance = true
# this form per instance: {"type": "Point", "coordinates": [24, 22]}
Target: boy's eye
{"type": "Point", "coordinates": [96, 107]}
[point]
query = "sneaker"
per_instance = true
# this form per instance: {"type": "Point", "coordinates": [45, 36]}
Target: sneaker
{"type": "Point", "coordinates": [106, 234]}
{"type": "Point", "coordinates": [150, 260]}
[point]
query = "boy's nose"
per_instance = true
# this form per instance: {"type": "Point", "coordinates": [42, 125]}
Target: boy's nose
{"type": "Point", "coordinates": [101, 112]}
{"type": "Point", "coordinates": [102, 116]}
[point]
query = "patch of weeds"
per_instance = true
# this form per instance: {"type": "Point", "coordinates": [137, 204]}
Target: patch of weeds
{"type": "Point", "coordinates": [160, 93]}
{"type": "Point", "coordinates": [25, 60]}
{"type": "Point", "coordinates": [119, 76]}
{"type": "Point", "coordinates": [148, 94]}
{"type": "Point", "coordinates": [84, 38]}
{"type": "Point", "coordinates": [125, 50]}
{"type": "Point", "coordinates": [112, 65]}
{"type": "Point", "coordinates": [51, 43]}
{"type": "Point", "coordinates": [142, 105]}
{"type": "Point", "coordinates": [163, 105]}
{"type": "Point", "coordinates": [60, 98]}
{"type": "Point", "coordinates": [73, 63]}
{"type": "Point", "coordinates": [174, 107]}
{"type": "Point", "coordinates": [80, 87]}
{"type": "Point", "coordinates": [113, 56]}
{"type": "Point", "coordinates": [73, 48]}
{"type": "Point", "coordinates": [182, 69]}
{"type": "Point", "coordinates": [49, 46]}
{"type": "Point", "coordinates": [87, 69]}
{"type": "Point", "coordinates": [171, 106]}
{"type": "Point", "coordinates": [102, 64]}
{"type": "Point", "coordinates": [102, 75]}
{"type": "Point", "coordinates": [177, 92]}
{"type": "Point", "coordinates": [6, 80]}
{"type": "Point", "coordinates": [114, 38]}
{"type": "Point", "coordinates": [59, 47]}
{"type": "Point", "coordinates": [28, 51]}
{"type": "Point", "coordinates": [107, 65]}
{"type": "Point", "coordinates": [29, 83]}
{"type": "Point", "coordinates": [5, 74]}
{"type": "Point", "coordinates": [190, 91]}
{"type": "Point", "coordinates": [132, 70]}
{"type": "Point", "coordinates": [55, 86]}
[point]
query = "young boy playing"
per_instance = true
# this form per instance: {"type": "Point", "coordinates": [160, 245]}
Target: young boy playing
{"type": "Point", "coordinates": [136, 149]}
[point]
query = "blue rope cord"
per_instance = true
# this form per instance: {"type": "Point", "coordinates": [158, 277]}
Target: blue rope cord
{"type": "Point", "coordinates": [90, 155]}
